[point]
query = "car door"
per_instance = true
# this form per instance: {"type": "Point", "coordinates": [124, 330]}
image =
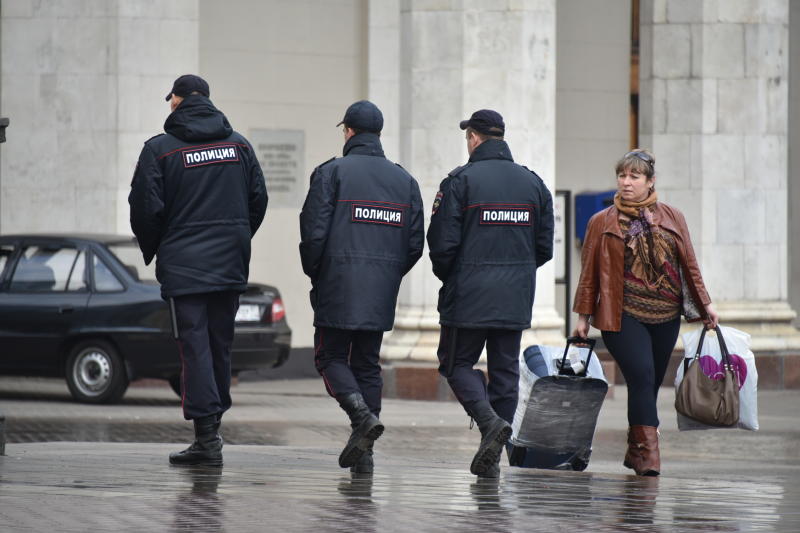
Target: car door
{"type": "Point", "coordinates": [42, 299]}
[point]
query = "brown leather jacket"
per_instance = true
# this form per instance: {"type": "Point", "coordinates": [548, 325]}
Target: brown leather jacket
{"type": "Point", "coordinates": [599, 291]}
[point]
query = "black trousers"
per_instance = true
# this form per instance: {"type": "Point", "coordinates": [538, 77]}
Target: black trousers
{"type": "Point", "coordinates": [642, 352]}
{"type": "Point", "coordinates": [464, 346]}
{"type": "Point", "coordinates": [205, 336]}
{"type": "Point", "coordinates": [349, 361]}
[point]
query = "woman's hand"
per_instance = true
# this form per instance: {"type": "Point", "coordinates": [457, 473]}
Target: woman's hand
{"type": "Point", "coordinates": [712, 319]}
{"type": "Point", "coordinates": [582, 327]}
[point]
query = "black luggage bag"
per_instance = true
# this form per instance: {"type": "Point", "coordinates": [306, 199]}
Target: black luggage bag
{"type": "Point", "coordinates": [560, 417]}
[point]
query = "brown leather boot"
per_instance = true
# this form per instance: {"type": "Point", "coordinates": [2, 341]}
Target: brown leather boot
{"type": "Point", "coordinates": [642, 455]}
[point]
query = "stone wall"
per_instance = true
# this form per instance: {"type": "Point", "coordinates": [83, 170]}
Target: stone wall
{"type": "Point", "coordinates": [84, 85]}
{"type": "Point", "coordinates": [714, 97]}
{"type": "Point", "coordinates": [794, 155]}
{"type": "Point", "coordinates": [287, 66]}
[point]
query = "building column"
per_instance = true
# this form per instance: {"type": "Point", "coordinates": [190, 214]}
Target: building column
{"type": "Point", "coordinates": [84, 86]}
{"type": "Point", "coordinates": [714, 104]}
{"type": "Point", "coordinates": [453, 60]}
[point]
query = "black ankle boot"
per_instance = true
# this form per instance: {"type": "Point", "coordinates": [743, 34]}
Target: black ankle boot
{"type": "Point", "coordinates": [366, 428]}
{"type": "Point", "coordinates": [493, 472]}
{"type": "Point", "coordinates": [206, 450]}
{"type": "Point", "coordinates": [366, 464]}
{"type": "Point", "coordinates": [495, 432]}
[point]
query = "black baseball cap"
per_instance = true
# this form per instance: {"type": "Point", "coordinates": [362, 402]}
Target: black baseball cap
{"type": "Point", "coordinates": [363, 115]}
{"type": "Point", "coordinates": [187, 84]}
{"type": "Point", "coordinates": [485, 121]}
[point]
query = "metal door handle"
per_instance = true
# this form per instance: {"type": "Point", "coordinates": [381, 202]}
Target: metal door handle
{"type": "Point", "coordinates": [65, 309]}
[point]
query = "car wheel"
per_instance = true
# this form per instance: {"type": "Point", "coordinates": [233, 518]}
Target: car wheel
{"type": "Point", "coordinates": [96, 373]}
{"type": "Point", "coordinates": [175, 384]}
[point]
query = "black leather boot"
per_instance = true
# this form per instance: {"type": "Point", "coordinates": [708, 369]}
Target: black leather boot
{"type": "Point", "coordinates": [206, 450]}
{"type": "Point", "coordinates": [493, 472]}
{"type": "Point", "coordinates": [366, 464]}
{"type": "Point", "coordinates": [366, 428]}
{"type": "Point", "coordinates": [495, 433]}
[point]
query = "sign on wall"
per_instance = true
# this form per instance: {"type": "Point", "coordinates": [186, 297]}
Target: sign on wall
{"type": "Point", "coordinates": [281, 154]}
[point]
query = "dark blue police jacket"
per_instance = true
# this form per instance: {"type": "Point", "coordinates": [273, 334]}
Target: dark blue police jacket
{"type": "Point", "coordinates": [361, 231]}
{"type": "Point", "coordinates": [492, 226]}
{"type": "Point", "coordinates": [196, 199]}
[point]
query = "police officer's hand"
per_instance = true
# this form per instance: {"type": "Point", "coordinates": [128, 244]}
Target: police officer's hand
{"type": "Point", "coordinates": [582, 327]}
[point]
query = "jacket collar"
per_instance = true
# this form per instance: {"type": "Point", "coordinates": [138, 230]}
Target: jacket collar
{"type": "Point", "coordinates": [491, 149]}
{"type": "Point", "coordinates": [660, 219]}
{"type": "Point", "coordinates": [364, 144]}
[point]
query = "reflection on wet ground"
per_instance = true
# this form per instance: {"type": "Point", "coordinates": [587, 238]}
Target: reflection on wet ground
{"type": "Point", "coordinates": [291, 489]}
{"type": "Point", "coordinates": [49, 429]}
{"type": "Point", "coordinates": [115, 477]}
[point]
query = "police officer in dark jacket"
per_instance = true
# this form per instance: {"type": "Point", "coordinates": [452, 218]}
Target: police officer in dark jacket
{"type": "Point", "coordinates": [491, 227]}
{"type": "Point", "coordinates": [197, 198]}
{"type": "Point", "coordinates": [361, 231]}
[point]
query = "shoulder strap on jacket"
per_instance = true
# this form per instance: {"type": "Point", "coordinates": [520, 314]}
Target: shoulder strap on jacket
{"type": "Point", "coordinates": [456, 171]}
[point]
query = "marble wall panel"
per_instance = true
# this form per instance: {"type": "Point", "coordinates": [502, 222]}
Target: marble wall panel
{"type": "Point", "coordinates": [684, 105]}
{"type": "Point", "coordinates": [741, 216]}
{"type": "Point", "coordinates": [723, 271]}
{"type": "Point", "coordinates": [765, 160]}
{"type": "Point", "coordinates": [763, 273]}
{"type": "Point", "coordinates": [672, 51]}
{"type": "Point", "coordinates": [741, 107]}
{"type": "Point", "coordinates": [181, 37]}
{"type": "Point", "coordinates": [710, 111]}
{"type": "Point", "coordinates": [683, 11]}
{"type": "Point", "coordinates": [673, 160]}
{"type": "Point", "coordinates": [766, 46]}
{"type": "Point", "coordinates": [722, 161]}
{"type": "Point", "coordinates": [722, 49]}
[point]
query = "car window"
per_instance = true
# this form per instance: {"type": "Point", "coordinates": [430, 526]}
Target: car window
{"type": "Point", "coordinates": [43, 269]}
{"type": "Point", "coordinates": [5, 256]}
{"type": "Point", "coordinates": [104, 279]}
{"type": "Point", "coordinates": [131, 257]}
{"type": "Point", "coordinates": [77, 280]}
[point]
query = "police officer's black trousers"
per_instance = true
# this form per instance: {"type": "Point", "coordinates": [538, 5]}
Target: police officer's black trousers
{"type": "Point", "coordinates": [642, 352]}
{"type": "Point", "coordinates": [464, 346]}
{"type": "Point", "coordinates": [205, 336]}
{"type": "Point", "coordinates": [349, 361]}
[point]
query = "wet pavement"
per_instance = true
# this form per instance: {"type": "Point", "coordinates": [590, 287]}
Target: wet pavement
{"type": "Point", "coordinates": [280, 473]}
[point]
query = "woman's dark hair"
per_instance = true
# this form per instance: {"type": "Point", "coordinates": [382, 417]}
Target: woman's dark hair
{"type": "Point", "coordinates": [641, 161]}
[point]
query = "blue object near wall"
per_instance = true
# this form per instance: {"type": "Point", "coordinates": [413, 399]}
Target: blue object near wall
{"type": "Point", "coordinates": [586, 205]}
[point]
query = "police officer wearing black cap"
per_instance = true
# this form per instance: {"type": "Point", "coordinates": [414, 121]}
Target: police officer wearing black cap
{"type": "Point", "coordinates": [361, 231]}
{"type": "Point", "coordinates": [197, 198]}
{"type": "Point", "coordinates": [491, 228]}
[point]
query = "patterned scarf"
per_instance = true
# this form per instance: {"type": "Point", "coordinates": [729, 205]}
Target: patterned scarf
{"type": "Point", "coordinates": [645, 241]}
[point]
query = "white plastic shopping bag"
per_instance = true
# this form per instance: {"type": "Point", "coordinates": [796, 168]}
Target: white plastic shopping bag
{"type": "Point", "coordinates": [744, 363]}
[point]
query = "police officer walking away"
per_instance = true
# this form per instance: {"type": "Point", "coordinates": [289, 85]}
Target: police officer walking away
{"type": "Point", "coordinates": [491, 227]}
{"type": "Point", "coordinates": [361, 231]}
{"type": "Point", "coordinates": [197, 198]}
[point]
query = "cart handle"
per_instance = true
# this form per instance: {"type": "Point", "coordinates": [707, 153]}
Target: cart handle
{"type": "Point", "coordinates": [578, 340]}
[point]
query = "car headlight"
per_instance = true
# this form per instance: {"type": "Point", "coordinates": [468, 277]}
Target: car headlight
{"type": "Point", "coordinates": [249, 313]}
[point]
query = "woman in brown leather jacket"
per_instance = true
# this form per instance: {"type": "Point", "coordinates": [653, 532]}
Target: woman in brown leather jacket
{"type": "Point", "coordinates": [639, 274]}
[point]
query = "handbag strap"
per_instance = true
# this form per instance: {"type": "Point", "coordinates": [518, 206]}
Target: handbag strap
{"type": "Point", "coordinates": [726, 356]}
{"type": "Point", "coordinates": [723, 348]}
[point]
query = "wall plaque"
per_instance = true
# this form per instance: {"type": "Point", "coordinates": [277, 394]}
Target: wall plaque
{"type": "Point", "coordinates": [281, 154]}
